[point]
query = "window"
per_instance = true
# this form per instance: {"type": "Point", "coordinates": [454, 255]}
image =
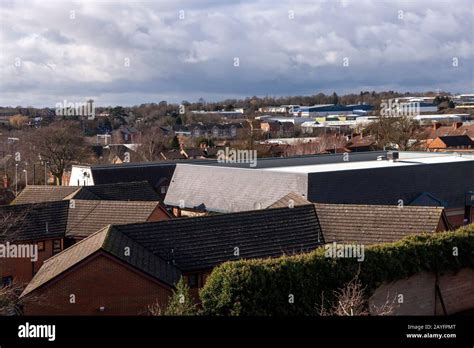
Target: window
{"type": "Point", "coordinates": [193, 280]}
{"type": "Point", "coordinates": [6, 281]}
{"type": "Point", "coordinates": [40, 246]}
{"type": "Point", "coordinates": [56, 246]}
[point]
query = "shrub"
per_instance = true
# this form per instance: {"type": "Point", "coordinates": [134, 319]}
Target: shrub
{"type": "Point", "coordinates": [297, 285]}
{"type": "Point", "coordinates": [180, 302]}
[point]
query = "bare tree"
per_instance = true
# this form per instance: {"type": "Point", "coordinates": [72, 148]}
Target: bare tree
{"type": "Point", "coordinates": [61, 144]}
{"type": "Point", "coordinates": [10, 303]}
{"type": "Point", "coordinates": [156, 309]}
{"type": "Point", "coordinates": [402, 131]}
{"type": "Point", "coordinates": [350, 300]}
{"type": "Point", "coordinates": [10, 224]}
{"type": "Point", "coordinates": [152, 143]}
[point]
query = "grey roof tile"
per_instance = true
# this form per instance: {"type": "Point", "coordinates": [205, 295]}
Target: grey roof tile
{"type": "Point", "coordinates": [29, 221]}
{"type": "Point", "coordinates": [43, 193]}
{"type": "Point", "coordinates": [223, 189]}
{"type": "Point", "coordinates": [204, 242]}
{"type": "Point", "coordinates": [86, 217]}
{"type": "Point", "coordinates": [372, 224]}
{"type": "Point", "coordinates": [291, 199]}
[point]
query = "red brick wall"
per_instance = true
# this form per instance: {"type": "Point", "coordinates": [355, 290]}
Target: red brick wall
{"type": "Point", "coordinates": [419, 293]}
{"type": "Point", "coordinates": [21, 269]}
{"type": "Point", "coordinates": [99, 281]}
{"type": "Point", "coordinates": [457, 290]}
{"type": "Point", "coordinates": [158, 214]}
{"type": "Point", "coordinates": [455, 216]}
{"type": "Point", "coordinates": [436, 144]}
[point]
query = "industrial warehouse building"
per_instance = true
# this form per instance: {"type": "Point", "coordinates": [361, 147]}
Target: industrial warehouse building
{"type": "Point", "coordinates": [413, 179]}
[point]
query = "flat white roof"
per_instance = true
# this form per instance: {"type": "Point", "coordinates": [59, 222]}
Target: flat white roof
{"type": "Point", "coordinates": [403, 161]}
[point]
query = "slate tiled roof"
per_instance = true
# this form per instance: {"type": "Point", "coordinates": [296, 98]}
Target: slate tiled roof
{"type": "Point", "coordinates": [154, 173]}
{"type": "Point", "coordinates": [59, 219]}
{"type": "Point", "coordinates": [43, 193]}
{"type": "Point", "coordinates": [359, 141]}
{"type": "Point", "coordinates": [457, 140]}
{"type": "Point", "coordinates": [222, 189]}
{"type": "Point", "coordinates": [371, 224]}
{"type": "Point", "coordinates": [126, 191]}
{"type": "Point", "coordinates": [86, 217]}
{"type": "Point", "coordinates": [47, 220]}
{"type": "Point", "coordinates": [204, 242]}
{"type": "Point", "coordinates": [111, 242]}
{"type": "Point", "coordinates": [291, 198]}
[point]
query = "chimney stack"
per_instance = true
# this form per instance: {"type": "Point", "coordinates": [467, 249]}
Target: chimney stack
{"type": "Point", "coordinates": [436, 125]}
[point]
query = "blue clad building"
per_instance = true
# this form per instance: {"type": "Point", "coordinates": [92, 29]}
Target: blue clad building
{"type": "Point", "coordinates": [331, 109]}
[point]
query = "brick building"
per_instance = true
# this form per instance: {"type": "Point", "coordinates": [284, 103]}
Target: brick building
{"type": "Point", "coordinates": [98, 276]}
{"type": "Point", "coordinates": [54, 226]}
{"type": "Point", "coordinates": [192, 247]}
{"type": "Point", "coordinates": [452, 143]}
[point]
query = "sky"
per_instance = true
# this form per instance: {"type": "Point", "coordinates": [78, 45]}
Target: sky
{"type": "Point", "coordinates": [134, 52]}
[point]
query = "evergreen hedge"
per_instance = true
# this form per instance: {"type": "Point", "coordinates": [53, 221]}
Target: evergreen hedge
{"type": "Point", "coordinates": [263, 286]}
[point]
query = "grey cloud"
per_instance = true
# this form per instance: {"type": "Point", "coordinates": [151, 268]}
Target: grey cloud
{"type": "Point", "coordinates": [194, 57]}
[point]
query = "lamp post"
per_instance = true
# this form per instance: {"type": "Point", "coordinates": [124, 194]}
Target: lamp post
{"type": "Point", "coordinates": [16, 179]}
{"type": "Point", "coordinates": [45, 176]}
{"type": "Point", "coordinates": [26, 176]}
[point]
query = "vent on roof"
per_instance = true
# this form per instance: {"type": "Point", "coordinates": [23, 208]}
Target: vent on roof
{"type": "Point", "coordinates": [393, 156]}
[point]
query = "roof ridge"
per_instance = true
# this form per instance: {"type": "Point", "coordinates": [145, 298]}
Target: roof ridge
{"type": "Point", "coordinates": [194, 218]}
{"type": "Point", "coordinates": [113, 201]}
{"type": "Point", "coordinates": [78, 243]}
{"type": "Point", "coordinates": [51, 186]}
{"type": "Point", "coordinates": [33, 204]}
{"type": "Point", "coordinates": [112, 230]}
{"type": "Point", "coordinates": [380, 205]}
